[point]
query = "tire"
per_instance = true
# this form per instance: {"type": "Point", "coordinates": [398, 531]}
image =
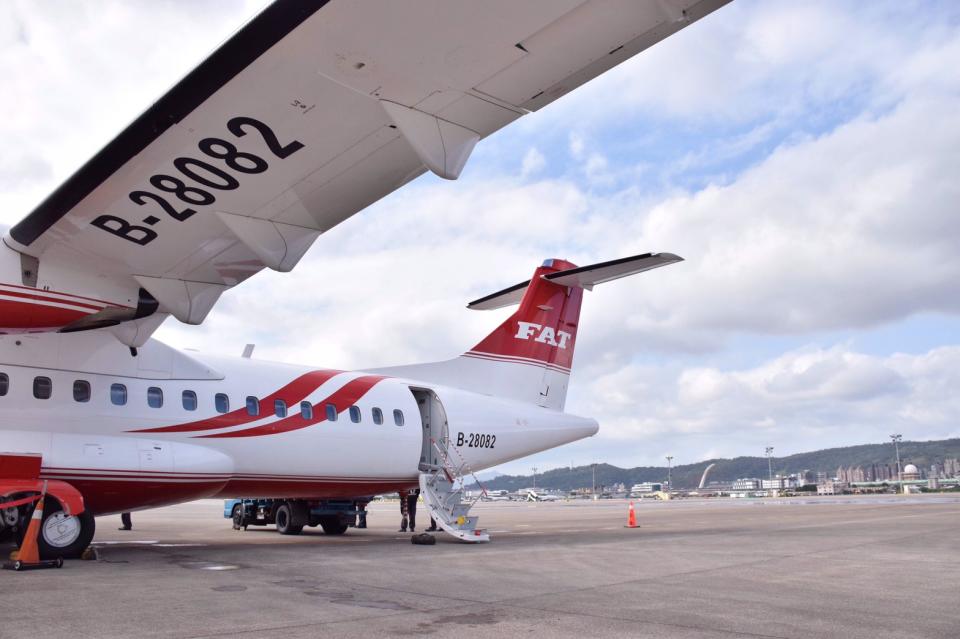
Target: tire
{"type": "Point", "coordinates": [333, 526]}
{"type": "Point", "coordinates": [237, 517]}
{"type": "Point", "coordinates": [284, 520]}
{"type": "Point", "coordinates": [64, 536]}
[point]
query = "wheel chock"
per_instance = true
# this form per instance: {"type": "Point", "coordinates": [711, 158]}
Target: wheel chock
{"type": "Point", "coordinates": [28, 556]}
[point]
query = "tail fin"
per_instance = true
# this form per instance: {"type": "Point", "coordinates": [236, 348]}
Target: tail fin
{"type": "Point", "coordinates": [543, 330]}
{"type": "Point", "coordinates": [530, 355]}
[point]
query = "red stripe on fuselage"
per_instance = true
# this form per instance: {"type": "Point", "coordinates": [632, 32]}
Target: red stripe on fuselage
{"type": "Point", "coordinates": [48, 299]}
{"type": "Point", "coordinates": [347, 396]}
{"type": "Point", "coordinates": [291, 393]}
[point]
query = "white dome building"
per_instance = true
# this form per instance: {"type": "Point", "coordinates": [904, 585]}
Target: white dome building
{"type": "Point", "coordinates": [910, 472]}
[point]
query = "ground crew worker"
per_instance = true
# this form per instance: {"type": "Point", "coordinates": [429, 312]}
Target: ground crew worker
{"type": "Point", "coordinates": [361, 514]}
{"type": "Point", "coordinates": [403, 510]}
{"type": "Point", "coordinates": [126, 521]}
{"type": "Point", "coordinates": [412, 498]}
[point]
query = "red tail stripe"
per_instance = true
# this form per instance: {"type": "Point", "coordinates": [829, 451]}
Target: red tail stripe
{"type": "Point", "coordinates": [347, 396]}
{"type": "Point", "coordinates": [46, 299]}
{"type": "Point", "coordinates": [291, 393]}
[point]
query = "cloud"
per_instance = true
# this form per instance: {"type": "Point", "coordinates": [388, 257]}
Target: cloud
{"type": "Point", "coordinates": [533, 162]}
{"type": "Point", "coordinates": [804, 399]}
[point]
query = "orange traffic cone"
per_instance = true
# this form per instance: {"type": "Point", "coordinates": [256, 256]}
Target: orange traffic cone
{"type": "Point", "coordinates": [29, 554]}
{"type": "Point", "coordinates": [631, 517]}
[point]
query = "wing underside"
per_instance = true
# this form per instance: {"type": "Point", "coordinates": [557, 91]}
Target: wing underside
{"type": "Point", "coordinates": [311, 112]}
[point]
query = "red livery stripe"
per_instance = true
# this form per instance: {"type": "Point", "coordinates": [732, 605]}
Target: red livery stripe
{"type": "Point", "coordinates": [347, 396]}
{"type": "Point", "coordinates": [291, 393]}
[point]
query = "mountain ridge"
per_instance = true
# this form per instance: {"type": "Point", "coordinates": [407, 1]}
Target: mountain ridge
{"type": "Point", "coordinates": [920, 453]}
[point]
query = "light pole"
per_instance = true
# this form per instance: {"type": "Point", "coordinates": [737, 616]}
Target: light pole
{"type": "Point", "coordinates": [669, 466]}
{"type": "Point", "coordinates": [769, 451]}
{"type": "Point", "coordinates": [593, 487]}
{"type": "Point", "coordinates": [897, 438]}
{"type": "Point", "coordinates": [534, 479]}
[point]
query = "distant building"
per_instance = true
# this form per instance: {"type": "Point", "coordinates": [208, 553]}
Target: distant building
{"type": "Point", "coordinates": [646, 487]}
{"type": "Point", "coordinates": [749, 483]}
{"type": "Point", "coordinates": [832, 487]}
{"type": "Point", "coordinates": [910, 473]}
{"type": "Point", "coordinates": [951, 468]}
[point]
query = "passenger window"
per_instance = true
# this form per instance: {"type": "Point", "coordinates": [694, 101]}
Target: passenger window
{"type": "Point", "coordinates": [154, 397]}
{"type": "Point", "coordinates": [253, 406]}
{"type": "Point", "coordinates": [331, 412]}
{"type": "Point", "coordinates": [189, 400]}
{"type": "Point", "coordinates": [377, 416]}
{"type": "Point", "coordinates": [81, 390]}
{"type": "Point", "coordinates": [279, 408]}
{"type": "Point", "coordinates": [42, 387]}
{"type": "Point", "coordinates": [118, 394]}
{"type": "Point", "coordinates": [222, 402]}
{"type": "Point", "coordinates": [4, 384]}
{"type": "Point", "coordinates": [354, 414]}
{"type": "Point", "coordinates": [306, 410]}
{"type": "Point", "coordinates": [398, 417]}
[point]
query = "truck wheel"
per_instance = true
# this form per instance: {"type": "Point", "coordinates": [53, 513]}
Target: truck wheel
{"type": "Point", "coordinates": [333, 526]}
{"type": "Point", "coordinates": [238, 522]}
{"type": "Point", "coordinates": [64, 536]}
{"type": "Point", "coordinates": [284, 518]}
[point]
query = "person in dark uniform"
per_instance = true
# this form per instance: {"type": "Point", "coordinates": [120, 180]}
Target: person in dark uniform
{"type": "Point", "coordinates": [361, 514]}
{"type": "Point", "coordinates": [403, 510]}
{"type": "Point", "coordinates": [412, 498]}
{"type": "Point", "coordinates": [433, 525]}
{"type": "Point", "coordinates": [126, 521]}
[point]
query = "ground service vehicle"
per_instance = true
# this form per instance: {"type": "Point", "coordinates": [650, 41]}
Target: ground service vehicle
{"type": "Point", "coordinates": [291, 515]}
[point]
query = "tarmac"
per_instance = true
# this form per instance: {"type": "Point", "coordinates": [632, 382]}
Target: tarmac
{"type": "Point", "coordinates": [871, 567]}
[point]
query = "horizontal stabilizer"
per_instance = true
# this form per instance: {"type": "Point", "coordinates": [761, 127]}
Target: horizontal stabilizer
{"type": "Point", "coordinates": [580, 277]}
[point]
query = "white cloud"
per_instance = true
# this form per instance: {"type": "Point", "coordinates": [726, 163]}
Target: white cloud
{"type": "Point", "coordinates": [533, 162]}
{"type": "Point", "coordinates": [799, 400]}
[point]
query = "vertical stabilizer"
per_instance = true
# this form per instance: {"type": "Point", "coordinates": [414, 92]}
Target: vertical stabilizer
{"type": "Point", "coordinates": [530, 355]}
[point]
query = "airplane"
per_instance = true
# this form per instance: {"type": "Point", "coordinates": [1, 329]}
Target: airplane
{"type": "Point", "coordinates": [533, 495]}
{"type": "Point", "coordinates": [309, 113]}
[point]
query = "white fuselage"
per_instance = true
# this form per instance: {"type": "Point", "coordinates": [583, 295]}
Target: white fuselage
{"type": "Point", "coordinates": [143, 453]}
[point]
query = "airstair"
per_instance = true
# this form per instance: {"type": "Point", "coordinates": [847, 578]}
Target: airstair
{"type": "Point", "coordinates": [442, 488]}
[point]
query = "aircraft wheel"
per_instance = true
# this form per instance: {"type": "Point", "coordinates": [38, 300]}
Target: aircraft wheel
{"type": "Point", "coordinates": [284, 520]}
{"type": "Point", "coordinates": [63, 536]}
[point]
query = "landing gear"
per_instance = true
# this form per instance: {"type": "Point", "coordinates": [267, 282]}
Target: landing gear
{"type": "Point", "coordinates": [62, 536]}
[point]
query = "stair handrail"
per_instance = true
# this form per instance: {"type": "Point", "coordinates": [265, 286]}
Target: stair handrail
{"type": "Point", "coordinates": [457, 473]}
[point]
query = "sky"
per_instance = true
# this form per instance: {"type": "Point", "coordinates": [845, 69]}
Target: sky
{"type": "Point", "coordinates": [801, 156]}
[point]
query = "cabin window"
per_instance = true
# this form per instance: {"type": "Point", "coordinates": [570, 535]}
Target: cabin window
{"type": "Point", "coordinates": [81, 390]}
{"type": "Point", "coordinates": [118, 394]}
{"type": "Point", "coordinates": [222, 403]}
{"type": "Point", "coordinates": [354, 414]}
{"type": "Point", "coordinates": [253, 406]}
{"type": "Point", "coordinates": [4, 384]}
{"type": "Point", "coordinates": [279, 408]}
{"type": "Point", "coordinates": [189, 399]}
{"type": "Point", "coordinates": [398, 417]}
{"type": "Point", "coordinates": [154, 397]}
{"type": "Point", "coordinates": [42, 387]}
{"type": "Point", "coordinates": [306, 410]}
{"type": "Point", "coordinates": [331, 413]}
{"type": "Point", "coordinates": [377, 416]}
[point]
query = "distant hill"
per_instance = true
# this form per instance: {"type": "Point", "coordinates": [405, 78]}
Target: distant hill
{"type": "Point", "coordinates": [688, 476]}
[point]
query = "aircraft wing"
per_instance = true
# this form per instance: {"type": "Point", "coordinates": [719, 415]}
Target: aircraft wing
{"type": "Point", "coordinates": [311, 112]}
